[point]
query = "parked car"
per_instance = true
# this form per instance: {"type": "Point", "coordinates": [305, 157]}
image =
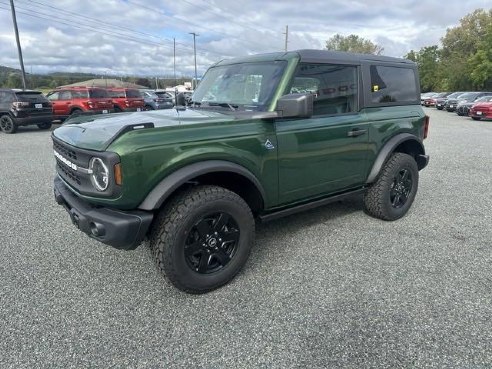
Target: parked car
{"type": "Point", "coordinates": [441, 102]}
{"type": "Point", "coordinates": [69, 101]}
{"type": "Point", "coordinates": [154, 102]}
{"type": "Point", "coordinates": [126, 99]}
{"type": "Point", "coordinates": [23, 108]}
{"type": "Point", "coordinates": [482, 109]}
{"type": "Point", "coordinates": [465, 101]}
{"type": "Point", "coordinates": [426, 95]}
{"type": "Point", "coordinates": [432, 101]}
{"type": "Point", "coordinates": [166, 94]}
{"type": "Point", "coordinates": [464, 108]}
{"type": "Point", "coordinates": [452, 101]}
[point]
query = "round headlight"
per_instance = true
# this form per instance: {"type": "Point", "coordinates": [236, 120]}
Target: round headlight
{"type": "Point", "coordinates": [99, 174]}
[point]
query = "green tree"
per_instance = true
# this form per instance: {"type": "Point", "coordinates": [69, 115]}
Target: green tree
{"type": "Point", "coordinates": [428, 61]}
{"type": "Point", "coordinates": [14, 80]}
{"type": "Point", "coordinates": [460, 44]}
{"type": "Point", "coordinates": [353, 43]}
{"type": "Point", "coordinates": [481, 62]}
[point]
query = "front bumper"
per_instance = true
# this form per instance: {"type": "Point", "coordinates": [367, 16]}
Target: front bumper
{"type": "Point", "coordinates": [119, 229]}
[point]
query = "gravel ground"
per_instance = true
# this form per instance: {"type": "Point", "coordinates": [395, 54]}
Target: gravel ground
{"type": "Point", "coordinates": [330, 288]}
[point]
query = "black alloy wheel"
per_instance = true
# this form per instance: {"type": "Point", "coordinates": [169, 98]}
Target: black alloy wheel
{"type": "Point", "coordinates": [211, 243]}
{"type": "Point", "coordinates": [7, 125]}
{"type": "Point", "coordinates": [400, 188]}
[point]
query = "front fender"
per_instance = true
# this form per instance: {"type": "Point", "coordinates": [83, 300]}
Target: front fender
{"type": "Point", "coordinates": [169, 184]}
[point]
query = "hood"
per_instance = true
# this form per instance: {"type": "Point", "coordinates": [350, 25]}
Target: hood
{"type": "Point", "coordinates": [96, 132]}
{"type": "Point", "coordinates": [483, 105]}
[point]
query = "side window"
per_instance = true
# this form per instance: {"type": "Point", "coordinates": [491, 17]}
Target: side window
{"type": "Point", "coordinates": [393, 84]}
{"type": "Point", "coordinates": [65, 95]}
{"type": "Point", "coordinates": [53, 96]}
{"type": "Point", "coordinates": [6, 97]}
{"type": "Point", "coordinates": [334, 87]}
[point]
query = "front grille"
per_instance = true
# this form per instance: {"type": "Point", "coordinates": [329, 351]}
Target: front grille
{"type": "Point", "coordinates": [64, 150]}
{"type": "Point", "coordinates": [68, 173]}
{"type": "Point", "coordinates": [72, 165]}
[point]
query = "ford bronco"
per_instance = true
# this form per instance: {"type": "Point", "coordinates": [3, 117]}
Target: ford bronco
{"type": "Point", "coordinates": [264, 136]}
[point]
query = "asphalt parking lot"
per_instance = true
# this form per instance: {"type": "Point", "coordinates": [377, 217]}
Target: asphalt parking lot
{"type": "Point", "coordinates": [330, 288]}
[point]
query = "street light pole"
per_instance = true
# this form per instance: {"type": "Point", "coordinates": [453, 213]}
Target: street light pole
{"type": "Point", "coordinates": [174, 61]}
{"type": "Point", "coordinates": [19, 50]}
{"type": "Point", "coordinates": [194, 52]}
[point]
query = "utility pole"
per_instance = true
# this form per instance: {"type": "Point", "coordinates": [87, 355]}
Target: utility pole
{"type": "Point", "coordinates": [174, 61]}
{"type": "Point", "coordinates": [286, 33]}
{"type": "Point", "coordinates": [19, 50]}
{"type": "Point", "coordinates": [194, 51]}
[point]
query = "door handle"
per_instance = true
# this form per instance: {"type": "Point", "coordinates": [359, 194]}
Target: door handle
{"type": "Point", "coordinates": [356, 132]}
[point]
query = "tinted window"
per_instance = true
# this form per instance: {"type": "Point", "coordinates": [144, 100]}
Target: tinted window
{"type": "Point", "coordinates": [65, 95]}
{"type": "Point", "coordinates": [80, 94]}
{"type": "Point", "coordinates": [30, 96]}
{"type": "Point", "coordinates": [334, 87]}
{"type": "Point", "coordinates": [393, 84]}
{"type": "Point", "coordinates": [98, 93]}
{"type": "Point", "coordinates": [133, 93]}
{"type": "Point", "coordinates": [6, 97]}
{"type": "Point", "coordinates": [116, 94]}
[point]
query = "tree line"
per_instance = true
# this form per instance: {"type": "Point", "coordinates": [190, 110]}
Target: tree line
{"type": "Point", "coordinates": [11, 78]}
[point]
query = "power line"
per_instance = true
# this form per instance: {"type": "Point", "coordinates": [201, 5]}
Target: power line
{"type": "Point", "coordinates": [196, 25]}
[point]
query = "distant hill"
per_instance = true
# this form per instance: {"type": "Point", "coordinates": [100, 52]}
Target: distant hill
{"type": "Point", "coordinates": [12, 78]}
{"type": "Point", "coordinates": [8, 70]}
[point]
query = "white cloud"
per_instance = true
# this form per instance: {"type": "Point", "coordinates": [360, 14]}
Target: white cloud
{"type": "Point", "coordinates": [120, 37]}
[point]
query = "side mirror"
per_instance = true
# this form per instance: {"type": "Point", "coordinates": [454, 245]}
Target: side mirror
{"type": "Point", "coordinates": [295, 106]}
{"type": "Point", "coordinates": [180, 99]}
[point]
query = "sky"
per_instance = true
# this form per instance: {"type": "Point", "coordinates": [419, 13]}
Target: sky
{"type": "Point", "coordinates": [135, 37]}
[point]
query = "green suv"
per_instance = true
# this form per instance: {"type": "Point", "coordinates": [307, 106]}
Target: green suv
{"type": "Point", "coordinates": [264, 136]}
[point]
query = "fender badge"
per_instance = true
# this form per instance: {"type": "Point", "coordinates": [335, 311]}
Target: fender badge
{"type": "Point", "coordinates": [269, 145]}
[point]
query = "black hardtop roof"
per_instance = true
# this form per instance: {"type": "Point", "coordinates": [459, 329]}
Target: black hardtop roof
{"type": "Point", "coordinates": [318, 56]}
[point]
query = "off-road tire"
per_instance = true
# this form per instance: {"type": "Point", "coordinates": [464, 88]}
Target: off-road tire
{"type": "Point", "coordinates": [44, 126]}
{"type": "Point", "coordinates": [378, 200]}
{"type": "Point", "coordinates": [117, 109]}
{"type": "Point", "coordinates": [7, 124]}
{"type": "Point", "coordinates": [178, 219]}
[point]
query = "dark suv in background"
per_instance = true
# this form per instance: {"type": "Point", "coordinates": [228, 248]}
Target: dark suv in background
{"type": "Point", "coordinates": [22, 108]}
{"type": "Point", "coordinates": [155, 102]}
{"type": "Point", "coordinates": [76, 100]}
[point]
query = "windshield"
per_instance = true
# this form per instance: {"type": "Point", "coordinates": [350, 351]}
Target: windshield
{"type": "Point", "coordinates": [468, 96]}
{"type": "Point", "coordinates": [248, 86]}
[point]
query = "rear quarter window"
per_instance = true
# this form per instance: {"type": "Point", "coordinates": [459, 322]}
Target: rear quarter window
{"type": "Point", "coordinates": [98, 94]}
{"type": "Point", "coordinates": [133, 93]}
{"type": "Point", "coordinates": [33, 97]}
{"type": "Point", "coordinates": [393, 85]}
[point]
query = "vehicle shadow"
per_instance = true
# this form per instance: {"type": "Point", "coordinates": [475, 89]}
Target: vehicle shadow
{"type": "Point", "coordinates": [308, 218]}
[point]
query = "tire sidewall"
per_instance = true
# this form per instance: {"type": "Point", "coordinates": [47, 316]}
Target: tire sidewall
{"type": "Point", "coordinates": [408, 163]}
{"type": "Point", "coordinates": [13, 127]}
{"type": "Point", "coordinates": [176, 262]}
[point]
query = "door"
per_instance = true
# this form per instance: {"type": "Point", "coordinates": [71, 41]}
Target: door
{"type": "Point", "coordinates": [60, 101]}
{"type": "Point", "coordinates": [328, 152]}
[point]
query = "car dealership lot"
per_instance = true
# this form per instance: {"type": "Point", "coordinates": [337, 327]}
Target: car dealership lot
{"type": "Point", "coordinates": [327, 288]}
